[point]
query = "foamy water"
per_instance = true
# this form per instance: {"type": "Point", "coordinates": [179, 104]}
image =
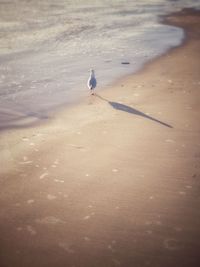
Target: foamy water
{"type": "Point", "coordinates": [47, 47]}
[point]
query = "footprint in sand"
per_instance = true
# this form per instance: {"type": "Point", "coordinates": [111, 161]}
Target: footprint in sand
{"type": "Point", "coordinates": [51, 197]}
{"type": "Point", "coordinates": [53, 166]}
{"type": "Point", "coordinates": [116, 262]}
{"type": "Point", "coordinates": [87, 239]}
{"type": "Point", "coordinates": [25, 138]}
{"type": "Point", "coordinates": [89, 216]}
{"type": "Point", "coordinates": [56, 162]}
{"type": "Point", "coordinates": [110, 247]}
{"type": "Point", "coordinates": [172, 244]}
{"type": "Point", "coordinates": [42, 176]}
{"type": "Point", "coordinates": [182, 193]}
{"type": "Point", "coordinates": [136, 94]}
{"type": "Point", "coordinates": [31, 230]}
{"type": "Point", "coordinates": [66, 247]}
{"type": "Point", "coordinates": [169, 141]}
{"type": "Point", "coordinates": [151, 197]}
{"type": "Point", "coordinates": [86, 217]}
{"type": "Point", "coordinates": [32, 144]}
{"type": "Point", "coordinates": [188, 186]}
{"type": "Point", "coordinates": [30, 201]}
{"type": "Point", "coordinates": [178, 229]}
{"type": "Point", "coordinates": [158, 222]}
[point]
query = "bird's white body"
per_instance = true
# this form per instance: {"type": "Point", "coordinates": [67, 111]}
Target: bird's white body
{"type": "Point", "coordinates": [92, 82]}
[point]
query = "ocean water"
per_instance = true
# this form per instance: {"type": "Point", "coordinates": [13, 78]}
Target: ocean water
{"type": "Point", "coordinates": [47, 48]}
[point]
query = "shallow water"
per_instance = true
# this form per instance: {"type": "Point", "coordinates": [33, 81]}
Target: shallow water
{"type": "Point", "coordinates": [47, 48]}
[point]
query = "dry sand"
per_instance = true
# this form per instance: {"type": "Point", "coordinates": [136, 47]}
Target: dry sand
{"type": "Point", "coordinates": [114, 181]}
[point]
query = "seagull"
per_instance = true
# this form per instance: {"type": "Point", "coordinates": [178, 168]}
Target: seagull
{"type": "Point", "coordinates": [92, 82]}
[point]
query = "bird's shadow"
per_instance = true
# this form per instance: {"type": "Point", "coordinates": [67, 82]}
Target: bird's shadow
{"type": "Point", "coordinates": [128, 109]}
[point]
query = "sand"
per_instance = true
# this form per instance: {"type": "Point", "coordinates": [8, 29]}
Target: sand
{"type": "Point", "coordinates": [114, 180]}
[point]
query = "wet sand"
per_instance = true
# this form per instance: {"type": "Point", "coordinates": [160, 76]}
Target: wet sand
{"type": "Point", "coordinates": [113, 181]}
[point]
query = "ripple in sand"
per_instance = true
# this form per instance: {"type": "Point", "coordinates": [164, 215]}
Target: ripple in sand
{"type": "Point", "coordinates": [59, 181]}
{"type": "Point", "coordinates": [49, 220]}
{"type": "Point", "coordinates": [25, 162]}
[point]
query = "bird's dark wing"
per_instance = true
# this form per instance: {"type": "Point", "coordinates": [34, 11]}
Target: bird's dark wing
{"type": "Point", "coordinates": [92, 83]}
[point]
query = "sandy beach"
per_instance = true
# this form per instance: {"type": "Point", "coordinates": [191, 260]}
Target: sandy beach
{"type": "Point", "coordinates": [114, 180]}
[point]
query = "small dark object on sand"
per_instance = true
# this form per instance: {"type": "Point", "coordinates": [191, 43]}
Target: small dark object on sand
{"type": "Point", "coordinates": [125, 62]}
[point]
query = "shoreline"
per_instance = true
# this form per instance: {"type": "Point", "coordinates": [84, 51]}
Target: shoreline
{"type": "Point", "coordinates": [114, 180]}
{"type": "Point", "coordinates": [36, 119]}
